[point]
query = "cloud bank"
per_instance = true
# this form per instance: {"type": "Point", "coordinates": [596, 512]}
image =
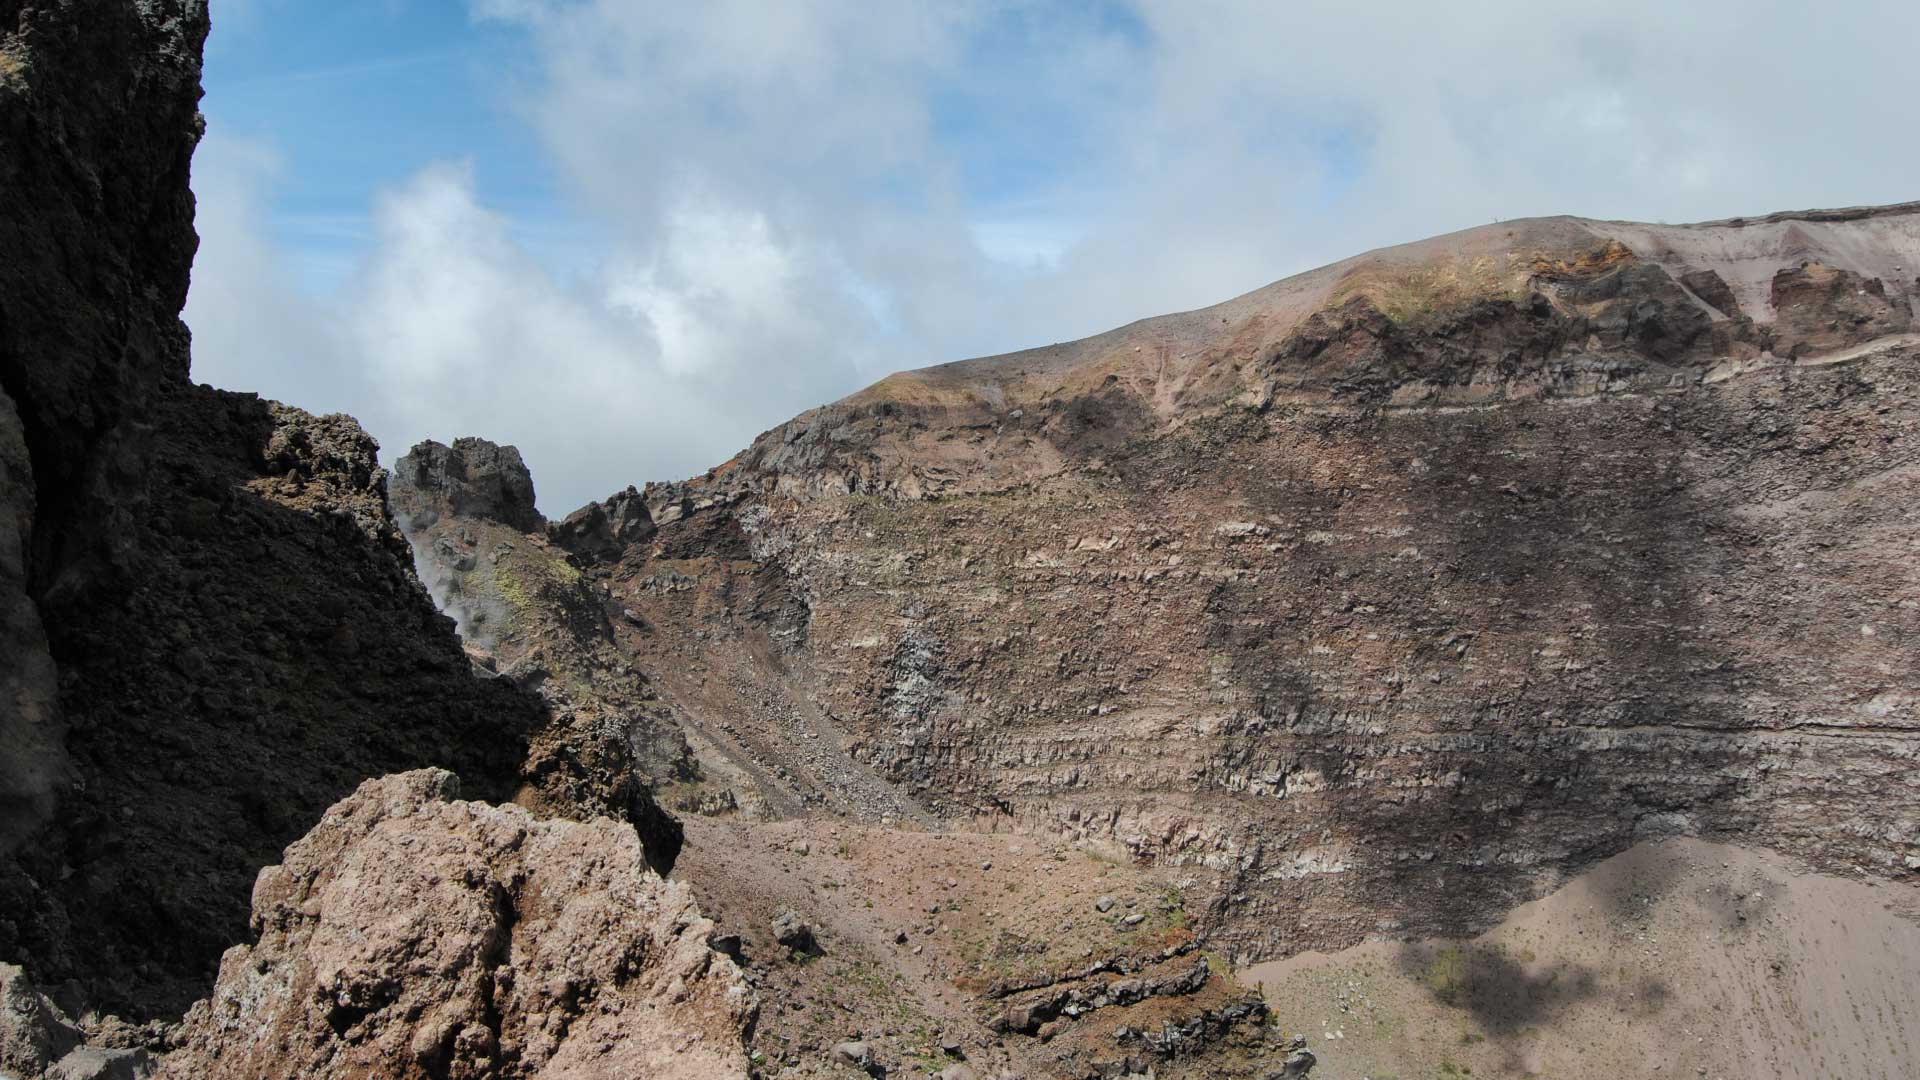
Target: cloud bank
{"type": "Point", "coordinates": [776, 204]}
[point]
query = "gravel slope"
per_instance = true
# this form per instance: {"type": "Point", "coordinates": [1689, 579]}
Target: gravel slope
{"type": "Point", "coordinates": [1673, 959]}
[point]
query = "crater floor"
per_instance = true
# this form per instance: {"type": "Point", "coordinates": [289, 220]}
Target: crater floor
{"type": "Point", "coordinates": [1673, 959]}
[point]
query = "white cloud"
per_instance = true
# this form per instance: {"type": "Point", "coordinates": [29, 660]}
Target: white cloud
{"type": "Point", "coordinates": [460, 325]}
{"type": "Point", "coordinates": [787, 201]}
{"type": "Point", "coordinates": [249, 317]}
{"type": "Point", "coordinates": [448, 326]}
{"type": "Point", "coordinates": [1025, 244]}
{"type": "Point", "coordinates": [716, 273]}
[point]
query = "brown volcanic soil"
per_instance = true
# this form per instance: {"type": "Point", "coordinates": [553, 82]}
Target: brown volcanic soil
{"type": "Point", "coordinates": [1674, 959]}
{"type": "Point", "coordinates": [980, 914]}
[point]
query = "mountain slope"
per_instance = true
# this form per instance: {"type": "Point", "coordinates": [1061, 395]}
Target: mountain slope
{"type": "Point", "coordinates": [1176, 354]}
{"type": "Point", "coordinates": [1377, 599]}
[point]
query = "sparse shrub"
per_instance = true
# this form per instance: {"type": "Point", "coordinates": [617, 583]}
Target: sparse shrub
{"type": "Point", "coordinates": [1447, 977]}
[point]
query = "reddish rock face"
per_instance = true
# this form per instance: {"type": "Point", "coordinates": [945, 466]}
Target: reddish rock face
{"type": "Point", "coordinates": [1821, 308]}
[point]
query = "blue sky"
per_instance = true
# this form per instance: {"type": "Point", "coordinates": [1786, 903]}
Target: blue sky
{"type": "Point", "coordinates": [358, 96]}
{"type": "Point", "coordinates": [630, 236]}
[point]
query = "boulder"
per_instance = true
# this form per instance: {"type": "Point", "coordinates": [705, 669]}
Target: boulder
{"type": "Point", "coordinates": [1021, 1020]}
{"type": "Point", "coordinates": [472, 478]}
{"type": "Point", "coordinates": [33, 1032]}
{"type": "Point", "coordinates": [731, 945]}
{"type": "Point", "coordinates": [795, 933]}
{"type": "Point", "coordinates": [604, 530]}
{"type": "Point", "coordinates": [1819, 308]}
{"type": "Point", "coordinates": [853, 1052]}
{"type": "Point", "coordinates": [102, 1063]}
{"type": "Point", "coordinates": [410, 934]}
{"type": "Point", "coordinates": [1710, 287]}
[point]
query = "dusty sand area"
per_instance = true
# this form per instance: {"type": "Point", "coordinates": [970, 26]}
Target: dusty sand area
{"type": "Point", "coordinates": [1675, 959]}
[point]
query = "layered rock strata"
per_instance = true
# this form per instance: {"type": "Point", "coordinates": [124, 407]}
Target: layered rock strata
{"type": "Point", "coordinates": [1378, 599]}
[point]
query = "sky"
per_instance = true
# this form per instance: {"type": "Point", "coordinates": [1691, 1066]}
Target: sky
{"type": "Point", "coordinates": [628, 236]}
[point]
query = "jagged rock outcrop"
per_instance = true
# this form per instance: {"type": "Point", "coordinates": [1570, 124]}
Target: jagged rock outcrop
{"type": "Point", "coordinates": [98, 121]}
{"type": "Point", "coordinates": [464, 534]}
{"type": "Point", "coordinates": [473, 478]}
{"type": "Point", "coordinates": [521, 601]}
{"type": "Point", "coordinates": [603, 531]}
{"type": "Point", "coordinates": [1822, 308]}
{"type": "Point", "coordinates": [34, 1032]}
{"type": "Point", "coordinates": [38, 1039]}
{"type": "Point", "coordinates": [413, 935]}
{"type": "Point", "coordinates": [1378, 599]}
{"type": "Point", "coordinates": [274, 651]}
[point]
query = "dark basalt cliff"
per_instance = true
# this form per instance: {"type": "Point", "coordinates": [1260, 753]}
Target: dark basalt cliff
{"type": "Point", "coordinates": [212, 627]}
{"type": "Point", "coordinates": [98, 244]}
{"type": "Point", "coordinates": [1376, 600]}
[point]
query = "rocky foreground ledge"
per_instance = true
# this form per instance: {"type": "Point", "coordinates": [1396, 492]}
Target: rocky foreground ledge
{"type": "Point", "coordinates": [412, 934]}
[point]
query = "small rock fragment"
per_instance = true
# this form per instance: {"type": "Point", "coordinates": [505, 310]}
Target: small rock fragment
{"type": "Point", "coordinates": [791, 930]}
{"type": "Point", "coordinates": [99, 1063]}
{"type": "Point", "coordinates": [732, 945]}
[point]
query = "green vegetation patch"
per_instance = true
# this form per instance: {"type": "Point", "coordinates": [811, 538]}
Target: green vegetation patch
{"type": "Point", "coordinates": [1447, 976]}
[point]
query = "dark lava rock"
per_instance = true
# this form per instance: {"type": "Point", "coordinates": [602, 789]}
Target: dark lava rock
{"type": "Point", "coordinates": [472, 478]}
